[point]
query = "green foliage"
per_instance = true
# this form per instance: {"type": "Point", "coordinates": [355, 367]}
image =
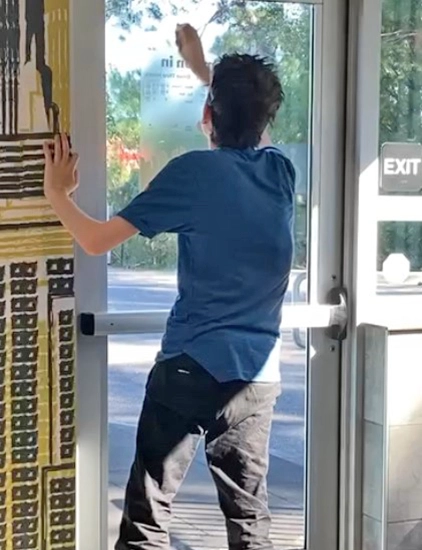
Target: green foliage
{"type": "Point", "coordinates": [401, 109]}
{"type": "Point", "coordinates": [401, 76]}
{"type": "Point", "coordinates": [282, 34]}
{"type": "Point", "coordinates": [124, 127]}
{"type": "Point", "coordinates": [129, 13]}
{"type": "Point", "coordinates": [157, 254]}
{"type": "Point", "coordinates": [124, 107]}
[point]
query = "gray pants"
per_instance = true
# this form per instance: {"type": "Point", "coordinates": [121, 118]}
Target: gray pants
{"type": "Point", "coordinates": [184, 402]}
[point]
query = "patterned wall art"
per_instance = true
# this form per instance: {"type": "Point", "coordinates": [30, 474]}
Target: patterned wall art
{"type": "Point", "coordinates": [37, 334]}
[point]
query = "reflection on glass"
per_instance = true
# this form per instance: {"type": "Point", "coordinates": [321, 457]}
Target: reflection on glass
{"type": "Point", "coordinates": [401, 122]}
{"type": "Point", "coordinates": [154, 105]}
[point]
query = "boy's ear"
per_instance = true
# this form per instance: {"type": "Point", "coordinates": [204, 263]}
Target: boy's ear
{"type": "Point", "coordinates": [206, 122]}
{"type": "Point", "coordinates": [206, 115]}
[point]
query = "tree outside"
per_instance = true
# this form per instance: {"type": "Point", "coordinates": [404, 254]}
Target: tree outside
{"type": "Point", "coordinates": [401, 110]}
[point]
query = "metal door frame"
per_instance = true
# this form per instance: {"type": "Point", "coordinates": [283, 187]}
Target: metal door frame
{"type": "Point", "coordinates": [89, 136]}
{"type": "Point", "coordinates": [88, 127]}
{"type": "Point", "coordinates": [363, 209]}
{"type": "Point", "coordinates": [361, 183]}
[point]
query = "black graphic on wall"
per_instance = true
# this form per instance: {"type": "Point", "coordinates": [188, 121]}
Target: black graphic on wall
{"type": "Point", "coordinates": [37, 333]}
{"type": "Point", "coordinates": [35, 31]}
{"type": "Point", "coordinates": [9, 65]}
{"type": "Point", "coordinates": [43, 498]}
{"type": "Point", "coordinates": [24, 403]}
{"type": "Point", "coordinates": [22, 166]}
{"type": "Point", "coordinates": [3, 356]}
{"type": "Point", "coordinates": [10, 62]}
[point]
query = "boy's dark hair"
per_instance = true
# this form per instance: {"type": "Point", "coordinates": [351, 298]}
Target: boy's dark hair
{"type": "Point", "coordinates": [244, 97]}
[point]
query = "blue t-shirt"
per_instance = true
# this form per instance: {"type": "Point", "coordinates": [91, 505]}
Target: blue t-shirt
{"type": "Point", "coordinates": [232, 211]}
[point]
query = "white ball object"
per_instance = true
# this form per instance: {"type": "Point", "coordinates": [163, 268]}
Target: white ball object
{"type": "Point", "coordinates": [396, 269]}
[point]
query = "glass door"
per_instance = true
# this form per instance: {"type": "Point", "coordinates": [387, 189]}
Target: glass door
{"type": "Point", "coordinates": [153, 107]}
{"type": "Point", "coordinates": [390, 186]}
{"type": "Point", "coordinates": [383, 261]}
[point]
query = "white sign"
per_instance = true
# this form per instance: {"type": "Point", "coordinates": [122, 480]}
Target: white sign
{"type": "Point", "coordinates": [171, 96]}
{"type": "Point", "coordinates": [172, 103]}
{"type": "Point", "coordinates": [401, 168]}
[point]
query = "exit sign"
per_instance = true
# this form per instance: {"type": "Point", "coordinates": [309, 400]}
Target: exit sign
{"type": "Point", "coordinates": [401, 167]}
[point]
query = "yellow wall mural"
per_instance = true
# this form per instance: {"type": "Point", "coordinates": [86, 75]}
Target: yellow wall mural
{"type": "Point", "coordinates": [37, 407]}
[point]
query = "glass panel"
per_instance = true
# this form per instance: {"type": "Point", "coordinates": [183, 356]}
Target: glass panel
{"type": "Point", "coordinates": [399, 252]}
{"type": "Point", "coordinates": [152, 118]}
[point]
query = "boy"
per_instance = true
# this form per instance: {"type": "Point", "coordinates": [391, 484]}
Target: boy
{"type": "Point", "coordinates": [217, 374]}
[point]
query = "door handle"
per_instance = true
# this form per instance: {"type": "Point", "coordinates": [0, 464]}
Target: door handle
{"type": "Point", "coordinates": [332, 316]}
{"type": "Point", "coordinates": [337, 329]}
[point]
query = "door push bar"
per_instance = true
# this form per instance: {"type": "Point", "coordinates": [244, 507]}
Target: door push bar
{"type": "Point", "coordinates": [331, 316]}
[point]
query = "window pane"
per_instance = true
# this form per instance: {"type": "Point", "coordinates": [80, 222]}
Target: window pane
{"type": "Point", "coordinates": [399, 252]}
{"type": "Point", "coordinates": [153, 110]}
{"type": "Point", "coordinates": [152, 117]}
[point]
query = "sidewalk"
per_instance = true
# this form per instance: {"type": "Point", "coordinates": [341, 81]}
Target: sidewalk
{"type": "Point", "coordinates": [198, 523]}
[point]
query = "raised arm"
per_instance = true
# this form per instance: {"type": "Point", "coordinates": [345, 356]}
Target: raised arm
{"type": "Point", "coordinates": [192, 52]}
